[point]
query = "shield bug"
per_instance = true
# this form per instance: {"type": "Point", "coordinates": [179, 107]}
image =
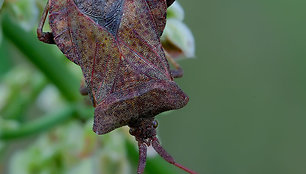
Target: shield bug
{"type": "Point", "coordinates": [117, 45]}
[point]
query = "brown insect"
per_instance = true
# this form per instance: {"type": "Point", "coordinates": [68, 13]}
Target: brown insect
{"type": "Point", "coordinates": [117, 45]}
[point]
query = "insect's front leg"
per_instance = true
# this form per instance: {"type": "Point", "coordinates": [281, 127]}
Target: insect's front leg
{"type": "Point", "coordinates": [142, 157]}
{"type": "Point", "coordinates": [46, 37]}
{"type": "Point", "coordinates": [178, 71]}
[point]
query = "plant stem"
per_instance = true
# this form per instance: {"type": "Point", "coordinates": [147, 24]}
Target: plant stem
{"type": "Point", "coordinates": [39, 125]}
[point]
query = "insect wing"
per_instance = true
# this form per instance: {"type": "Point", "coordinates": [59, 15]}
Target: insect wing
{"type": "Point", "coordinates": [61, 29]}
{"type": "Point", "coordinates": [139, 40]}
{"type": "Point", "coordinates": [158, 10]}
{"type": "Point", "coordinates": [116, 45]}
{"type": "Point", "coordinates": [95, 48]}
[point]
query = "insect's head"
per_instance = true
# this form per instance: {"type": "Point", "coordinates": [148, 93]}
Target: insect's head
{"type": "Point", "coordinates": [143, 128]}
{"type": "Point", "coordinates": [155, 124]}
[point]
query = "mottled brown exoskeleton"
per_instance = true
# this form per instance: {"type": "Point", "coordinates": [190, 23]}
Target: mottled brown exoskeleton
{"type": "Point", "coordinates": [117, 45]}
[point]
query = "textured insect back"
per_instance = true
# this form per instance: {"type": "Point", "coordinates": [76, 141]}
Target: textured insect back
{"type": "Point", "coordinates": [159, 13]}
{"type": "Point", "coordinates": [146, 100]}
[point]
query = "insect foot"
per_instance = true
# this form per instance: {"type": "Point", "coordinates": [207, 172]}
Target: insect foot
{"type": "Point", "coordinates": [46, 37]}
{"type": "Point", "coordinates": [144, 131]}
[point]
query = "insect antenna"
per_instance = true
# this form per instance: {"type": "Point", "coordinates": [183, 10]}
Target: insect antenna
{"type": "Point", "coordinates": [162, 152]}
{"type": "Point", "coordinates": [142, 157]}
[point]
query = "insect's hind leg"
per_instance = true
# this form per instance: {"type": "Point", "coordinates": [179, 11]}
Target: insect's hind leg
{"type": "Point", "coordinates": [162, 152]}
{"type": "Point", "coordinates": [46, 37]}
{"type": "Point", "coordinates": [178, 72]}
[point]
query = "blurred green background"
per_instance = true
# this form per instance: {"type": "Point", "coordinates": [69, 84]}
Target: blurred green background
{"type": "Point", "coordinates": [247, 89]}
{"type": "Point", "coordinates": [247, 113]}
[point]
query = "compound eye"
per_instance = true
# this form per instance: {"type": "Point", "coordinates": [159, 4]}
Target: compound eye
{"type": "Point", "coordinates": [155, 124]}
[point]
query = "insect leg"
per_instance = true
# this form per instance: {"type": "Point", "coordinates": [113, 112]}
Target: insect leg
{"type": "Point", "coordinates": [178, 72]}
{"type": "Point", "coordinates": [46, 37]}
{"type": "Point", "coordinates": [83, 88]}
{"type": "Point", "coordinates": [142, 157]}
{"type": "Point", "coordinates": [169, 2]}
{"type": "Point", "coordinates": [162, 152]}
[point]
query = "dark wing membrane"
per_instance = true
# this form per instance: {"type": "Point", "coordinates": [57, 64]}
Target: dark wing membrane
{"type": "Point", "coordinates": [96, 48]}
{"type": "Point", "coordinates": [106, 13]}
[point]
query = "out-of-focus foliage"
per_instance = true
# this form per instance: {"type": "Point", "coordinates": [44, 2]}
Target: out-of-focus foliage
{"type": "Point", "coordinates": [74, 148]}
{"type": "Point", "coordinates": [176, 11]}
{"type": "Point", "coordinates": [25, 12]}
{"type": "Point", "coordinates": [40, 105]}
{"type": "Point", "coordinates": [1, 35]}
{"type": "Point", "coordinates": [1, 3]}
{"type": "Point", "coordinates": [177, 38]}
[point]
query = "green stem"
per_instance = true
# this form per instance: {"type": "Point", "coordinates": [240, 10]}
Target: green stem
{"type": "Point", "coordinates": [46, 61]}
{"type": "Point", "coordinates": [40, 125]}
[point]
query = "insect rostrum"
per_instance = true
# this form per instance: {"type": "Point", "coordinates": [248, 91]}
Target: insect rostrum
{"type": "Point", "coordinates": [117, 45]}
